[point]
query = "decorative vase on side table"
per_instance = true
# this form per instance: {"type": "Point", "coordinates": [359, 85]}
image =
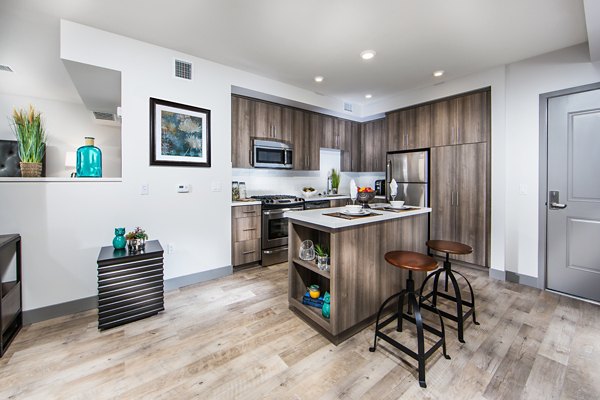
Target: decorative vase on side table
{"type": "Point", "coordinates": [119, 241]}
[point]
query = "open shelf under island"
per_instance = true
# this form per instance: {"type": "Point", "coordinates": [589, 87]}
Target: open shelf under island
{"type": "Point", "coordinates": [359, 279]}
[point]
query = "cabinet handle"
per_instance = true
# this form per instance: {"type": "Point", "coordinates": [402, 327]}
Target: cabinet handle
{"type": "Point", "coordinates": [451, 198]}
{"type": "Point", "coordinates": [249, 212]}
{"type": "Point", "coordinates": [457, 198]}
{"type": "Point", "coordinates": [248, 252]}
{"type": "Point", "coordinates": [250, 157]}
{"type": "Point", "coordinates": [249, 229]}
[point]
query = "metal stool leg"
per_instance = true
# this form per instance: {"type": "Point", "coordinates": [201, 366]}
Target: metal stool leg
{"type": "Point", "coordinates": [472, 297]}
{"type": "Point", "coordinates": [400, 308]}
{"type": "Point", "coordinates": [459, 309]}
{"type": "Point", "coordinates": [402, 293]}
{"type": "Point", "coordinates": [446, 356]}
{"type": "Point", "coordinates": [420, 339]}
{"type": "Point", "coordinates": [436, 282]}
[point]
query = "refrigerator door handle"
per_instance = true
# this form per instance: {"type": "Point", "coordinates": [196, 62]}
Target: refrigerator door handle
{"type": "Point", "coordinates": [451, 198]}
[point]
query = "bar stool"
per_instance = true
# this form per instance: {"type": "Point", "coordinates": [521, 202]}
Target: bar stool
{"type": "Point", "coordinates": [448, 247]}
{"type": "Point", "coordinates": [420, 263]}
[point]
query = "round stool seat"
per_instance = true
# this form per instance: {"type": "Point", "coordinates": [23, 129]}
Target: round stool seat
{"type": "Point", "coordinates": [411, 260]}
{"type": "Point", "coordinates": [447, 246]}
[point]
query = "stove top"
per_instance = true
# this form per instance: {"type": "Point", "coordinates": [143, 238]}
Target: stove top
{"type": "Point", "coordinates": [274, 199]}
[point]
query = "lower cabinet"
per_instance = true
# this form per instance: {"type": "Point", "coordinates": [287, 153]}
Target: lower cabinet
{"type": "Point", "coordinates": [246, 235]}
{"type": "Point", "coordinates": [459, 198]}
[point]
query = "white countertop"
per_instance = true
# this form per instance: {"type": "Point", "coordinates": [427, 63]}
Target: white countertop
{"type": "Point", "coordinates": [245, 203]}
{"type": "Point", "coordinates": [317, 217]}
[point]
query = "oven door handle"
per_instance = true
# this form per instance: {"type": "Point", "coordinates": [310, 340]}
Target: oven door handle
{"type": "Point", "coordinates": [280, 211]}
{"type": "Point", "coordinates": [275, 251]}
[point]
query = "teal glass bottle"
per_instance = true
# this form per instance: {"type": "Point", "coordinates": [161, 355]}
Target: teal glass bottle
{"type": "Point", "coordinates": [89, 160]}
{"type": "Point", "coordinates": [119, 241]}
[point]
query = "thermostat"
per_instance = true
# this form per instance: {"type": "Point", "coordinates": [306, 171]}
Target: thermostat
{"type": "Point", "coordinates": [183, 188]}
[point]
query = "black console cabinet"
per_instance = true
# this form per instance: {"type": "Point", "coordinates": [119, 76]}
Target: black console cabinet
{"type": "Point", "coordinates": [130, 285]}
{"type": "Point", "coordinates": [11, 315]}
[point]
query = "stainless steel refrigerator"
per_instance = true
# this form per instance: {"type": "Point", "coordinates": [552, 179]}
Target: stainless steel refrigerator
{"type": "Point", "coordinates": [410, 169]}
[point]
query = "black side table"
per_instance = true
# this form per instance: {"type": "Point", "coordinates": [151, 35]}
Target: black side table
{"type": "Point", "coordinates": [130, 285]}
{"type": "Point", "coordinates": [11, 301]}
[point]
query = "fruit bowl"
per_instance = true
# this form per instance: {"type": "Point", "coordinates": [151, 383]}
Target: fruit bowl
{"type": "Point", "coordinates": [365, 197]}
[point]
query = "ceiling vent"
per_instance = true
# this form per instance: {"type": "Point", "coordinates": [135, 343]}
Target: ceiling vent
{"type": "Point", "coordinates": [5, 68]}
{"type": "Point", "coordinates": [104, 116]}
{"type": "Point", "coordinates": [183, 69]}
{"type": "Point", "coordinates": [348, 107]}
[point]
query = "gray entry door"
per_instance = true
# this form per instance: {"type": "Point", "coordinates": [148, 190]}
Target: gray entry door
{"type": "Point", "coordinates": [573, 224]}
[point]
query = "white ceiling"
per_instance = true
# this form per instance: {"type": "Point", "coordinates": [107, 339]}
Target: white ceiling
{"type": "Point", "coordinates": [294, 40]}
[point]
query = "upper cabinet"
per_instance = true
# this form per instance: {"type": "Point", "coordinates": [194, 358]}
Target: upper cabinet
{"type": "Point", "coordinates": [409, 128]}
{"type": "Point", "coordinates": [373, 145]}
{"type": "Point", "coordinates": [241, 131]}
{"type": "Point", "coordinates": [305, 140]}
{"type": "Point", "coordinates": [269, 121]}
{"type": "Point", "coordinates": [461, 120]}
{"type": "Point", "coordinates": [349, 139]}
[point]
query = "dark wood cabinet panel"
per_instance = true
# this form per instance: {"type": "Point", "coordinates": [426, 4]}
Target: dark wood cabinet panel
{"type": "Point", "coordinates": [246, 234]}
{"type": "Point", "coordinates": [443, 123]}
{"type": "Point", "coordinates": [458, 198]}
{"type": "Point", "coordinates": [418, 136]}
{"type": "Point", "coordinates": [473, 121]}
{"type": "Point", "coordinates": [441, 186]}
{"type": "Point", "coordinates": [470, 200]}
{"type": "Point", "coordinates": [328, 132]}
{"type": "Point", "coordinates": [373, 148]}
{"type": "Point", "coordinates": [305, 140]}
{"type": "Point", "coordinates": [241, 132]}
{"type": "Point", "coordinates": [266, 119]}
{"type": "Point", "coordinates": [355, 149]}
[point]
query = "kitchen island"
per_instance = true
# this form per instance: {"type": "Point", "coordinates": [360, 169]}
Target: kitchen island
{"type": "Point", "coordinates": [359, 279]}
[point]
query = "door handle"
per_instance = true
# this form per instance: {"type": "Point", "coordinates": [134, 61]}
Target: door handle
{"type": "Point", "coordinates": [275, 251]}
{"type": "Point", "coordinates": [554, 200]}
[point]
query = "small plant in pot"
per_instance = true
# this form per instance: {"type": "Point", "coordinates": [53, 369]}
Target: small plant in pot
{"type": "Point", "coordinates": [136, 240]}
{"type": "Point", "coordinates": [31, 138]}
{"type": "Point", "coordinates": [322, 257]}
{"type": "Point", "coordinates": [335, 181]}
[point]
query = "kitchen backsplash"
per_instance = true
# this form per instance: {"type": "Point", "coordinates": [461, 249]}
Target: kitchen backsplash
{"type": "Point", "coordinates": [271, 181]}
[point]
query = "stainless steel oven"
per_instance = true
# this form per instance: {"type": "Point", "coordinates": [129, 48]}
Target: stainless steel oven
{"type": "Point", "coordinates": [275, 226]}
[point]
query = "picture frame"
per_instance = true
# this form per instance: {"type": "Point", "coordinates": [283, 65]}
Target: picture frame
{"type": "Point", "coordinates": [179, 134]}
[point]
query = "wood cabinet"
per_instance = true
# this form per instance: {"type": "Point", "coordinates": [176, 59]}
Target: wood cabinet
{"type": "Point", "coordinates": [409, 128]}
{"type": "Point", "coordinates": [328, 131]}
{"type": "Point", "coordinates": [246, 234]}
{"type": "Point", "coordinates": [305, 141]}
{"type": "Point", "coordinates": [461, 120]}
{"type": "Point", "coordinates": [459, 198]}
{"type": "Point", "coordinates": [11, 303]}
{"type": "Point", "coordinates": [349, 134]}
{"type": "Point", "coordinates": [241, 132]}
{"type": "Point", "coordinates": [373, 145]}
{"type": "Point", "coordinates": [267, 121]}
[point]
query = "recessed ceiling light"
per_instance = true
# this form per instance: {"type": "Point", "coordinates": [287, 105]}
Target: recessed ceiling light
{"type": "Point", "coordinates": [368, 96]}
{"type": "Point", "coordinates": [367, 54]}
{"type": "Point", "coordinates": [439, 73]}
{"type": "Point", "coordinates": [319, 78]}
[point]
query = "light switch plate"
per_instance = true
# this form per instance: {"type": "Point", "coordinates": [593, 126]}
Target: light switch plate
{"type": "Point", "coordinates": [215, 186]}
{"type": "Point", "coordinates": [145, 189]}
{"type": "Point", "coordinates": [523, 189]}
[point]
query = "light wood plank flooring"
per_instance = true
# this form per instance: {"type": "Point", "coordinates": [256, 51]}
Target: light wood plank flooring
{"type": "Point", "coordinates": [234, 338]}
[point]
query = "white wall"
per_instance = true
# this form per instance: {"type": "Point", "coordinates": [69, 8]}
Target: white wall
{"type": "Point", "coordinates": [66, 126]}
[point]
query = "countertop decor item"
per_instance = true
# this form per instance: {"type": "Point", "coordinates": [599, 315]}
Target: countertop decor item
{"type": "Point", "coordinates": [335, 180]}
{"type": "Point", "coordinates": [309, 192]}
{"type": "Point", "coordinates": [365, 194]}
{"type": "Point", "coordinates": [353, 190]}
{"type": "Point", "coordinates": [179, 134]}
{"type": "Point", "coordinates": [119, 241]}
{"type": "Point", "coordinates": [31, 136]}
{"type": "Point", "coordinates": [307, 250]}
{"type": "Point", "coordinates": [89, 160]}
{"type": "Point", "coordinates": [136, 240]}
{"type": "Point", "coordinates": [235, 191]}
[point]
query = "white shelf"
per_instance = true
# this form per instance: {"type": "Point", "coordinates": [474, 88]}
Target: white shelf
{"type": "Point", "coordinates": [57, 179]}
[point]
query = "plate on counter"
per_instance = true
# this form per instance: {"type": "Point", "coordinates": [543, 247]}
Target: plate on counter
{"type": "Point", "coordinates": [361, 212]}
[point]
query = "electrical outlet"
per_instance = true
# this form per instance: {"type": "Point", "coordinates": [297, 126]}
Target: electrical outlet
{"type": "Point", "coordinates": [145, 190]}
{"type": "Point", "coordinates": [170, 248]}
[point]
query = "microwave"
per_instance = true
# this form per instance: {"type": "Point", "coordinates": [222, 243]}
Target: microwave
{"type": "Point", "coordinates": [271, 154]}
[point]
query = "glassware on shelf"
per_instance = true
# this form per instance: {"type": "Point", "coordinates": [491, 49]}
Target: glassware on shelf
{"type": "Point", "coordinates": [307, 250]}
{"type": "Point", "coordinates": [89, 160]}
{"type": "Point", "coordinates": [242, 190]}
{"type": "Point", "coordinates": [235, 191]}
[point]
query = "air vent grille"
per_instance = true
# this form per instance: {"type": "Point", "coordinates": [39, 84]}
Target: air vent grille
{"type": "Point", "coordinates": [5, 68]}
{"type": "Point", "coordinates": [183, 69]}
{"type": "Point", "coordinates": [348, 107]}
{"type": "Point", "coordinates": [104, 116]}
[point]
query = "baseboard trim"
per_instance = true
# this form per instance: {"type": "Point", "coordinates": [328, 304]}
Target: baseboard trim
{"type": "Point", "coordinates": [89, 303]}
{"type": "Point", "coordinates": [497, 274]}
{"type": "Point", "coordinates": [198, 277]}
{"type": "Point", "coordinates": [521, 279]}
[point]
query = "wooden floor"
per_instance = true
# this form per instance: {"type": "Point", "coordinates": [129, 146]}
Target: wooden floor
{"type": "Point", "coordinates": [234, 338]}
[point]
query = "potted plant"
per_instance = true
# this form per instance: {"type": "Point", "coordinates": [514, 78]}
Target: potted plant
{"type": "Point", "coordinates": [31, 137]}
{"type": "Point", "coordinates": [136, 240]}
{"type": "Point", "coordinates": [335, 181]}
{"type": "Point", "coordinates": [322, 257]}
